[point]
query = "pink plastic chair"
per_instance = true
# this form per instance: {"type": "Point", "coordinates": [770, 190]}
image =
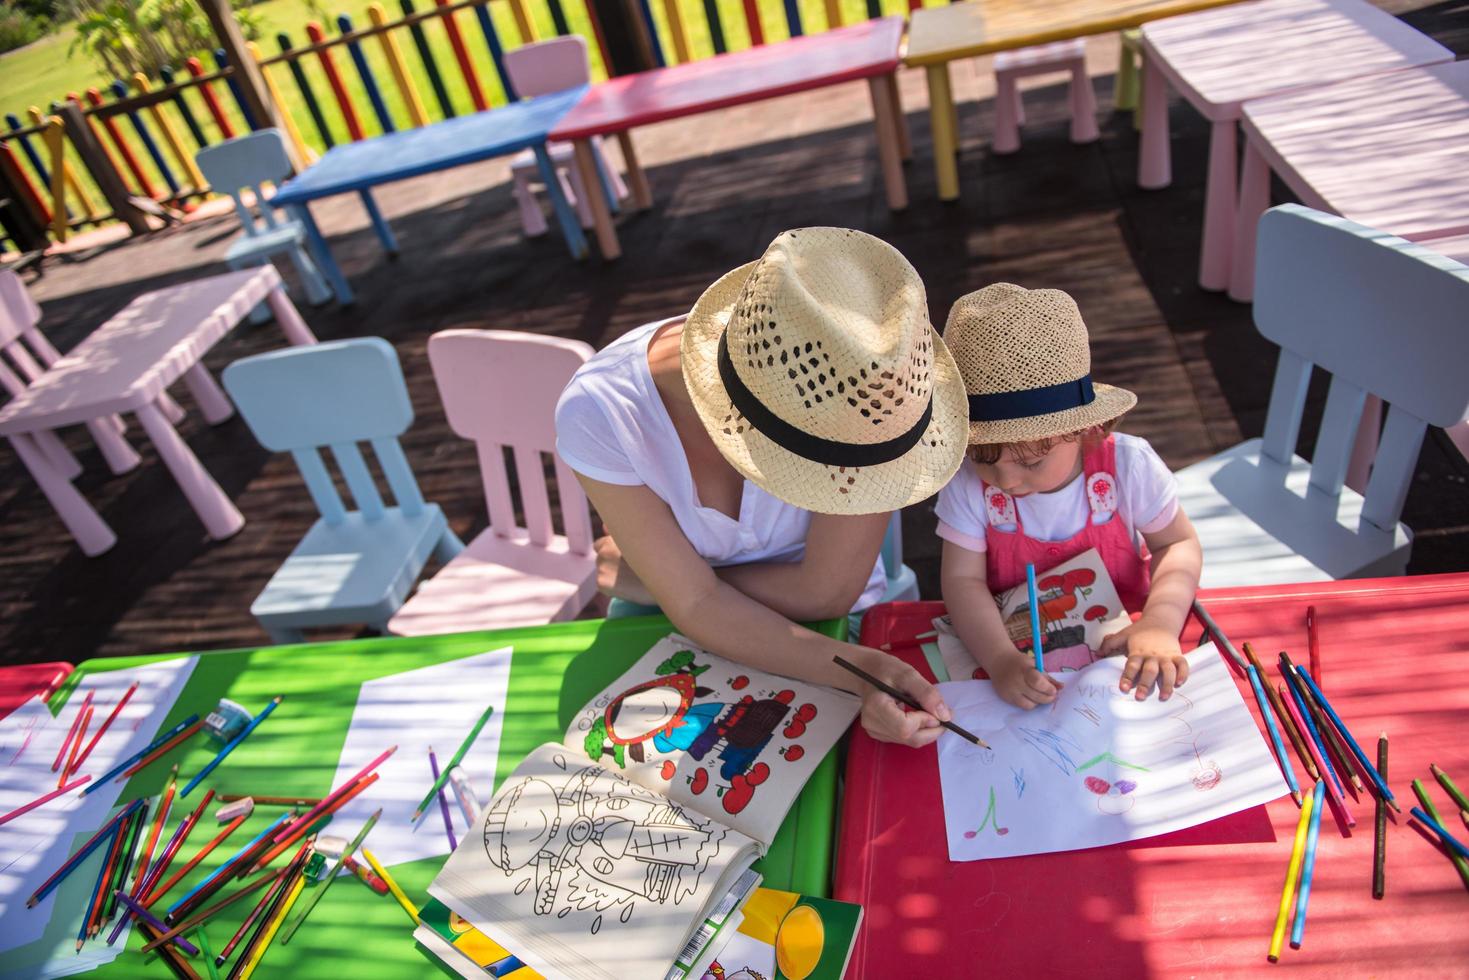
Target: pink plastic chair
{"type": "Point", "coordinates": [540, 69]}
{"type": "Point", "coordinates": [1043, 59]}
{"type": "Point", "coordinates": [499, 389]}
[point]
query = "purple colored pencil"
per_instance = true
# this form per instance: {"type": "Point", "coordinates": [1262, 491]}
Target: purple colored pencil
{"type": "Point", "coordinates": [144, 880]}
{"type": "Point", "coordinates": [148, 917]}
{"type": "Point", "coordinates": [433, 763]}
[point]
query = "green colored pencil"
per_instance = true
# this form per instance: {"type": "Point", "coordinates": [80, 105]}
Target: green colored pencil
{"type": "Point", "coordinates": [294, 924]}
{"type": "Point", "coordinates": [458, 757]}
{"type": "Point", "coordinates": [1459, 863]}
{"type": "Point", "coordinates": [1453, 791]}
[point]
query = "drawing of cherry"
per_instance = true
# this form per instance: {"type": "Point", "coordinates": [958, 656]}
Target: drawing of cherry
{"type": "Point", "coordinates": [792, 752]}
{"type": "Point", "coordinates": [1208, 777]}
{"type": "Point", "coordinates": [797, 727]}
{"type": "Point", "coordinates": [759, 772]}
{"type": "Point", "coordinates": [1124, 785]}
{"type": "Point", "coordinates": [669, 769]}
{"type": "Point", "coordinates": [806, 712]}
{"type": "Point", "coordinates": [700, 781]}
{"type": "Point", "coordinates": [1077, 578]}
{"type": "Point", "coordinates": [786, 696]}
{"type": "Point", "coordinates": [1050, 582]}
{"type": "Point", "coordinates": [740, 683]}
{"type": "Point", "coordinates": [1094, 613]}
{"type": "Point", "coordinates": [1098, 786]}
{"type": "Point", "coordinates": [742, 788]}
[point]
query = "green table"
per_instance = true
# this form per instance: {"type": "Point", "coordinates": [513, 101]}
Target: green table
{"type": "Point", "coordinates": [354, 931]}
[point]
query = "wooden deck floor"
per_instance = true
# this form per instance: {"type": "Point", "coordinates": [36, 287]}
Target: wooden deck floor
{"type": "Point", "coordinates": [1052, 215]}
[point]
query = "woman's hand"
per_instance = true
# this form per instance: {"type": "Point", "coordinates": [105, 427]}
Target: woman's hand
{"type": "Point", "coordinates": [1153, 655]}
{"type": "Point", "coordinates": [888, 719]}
{"type": "Point", "coordinates": [1017, 681]}
{"type": "Point", "coordinates": [615, 576]}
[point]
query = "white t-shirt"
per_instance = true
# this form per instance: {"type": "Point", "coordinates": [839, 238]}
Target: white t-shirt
{"type": "Point", "coordinates": [1147, 500]}
{"type": "Point", "coordinates": [612, 426]}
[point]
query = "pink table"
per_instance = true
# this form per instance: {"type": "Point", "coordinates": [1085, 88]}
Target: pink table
{"type": "Point", "coordinates": [126, 366]}
{"type": "Point", "coordinates": [863, 51]}
{"type": "Point", "coordinates": [1391, 152]}
{"type": "Point", "coordinates": [1219, 59]}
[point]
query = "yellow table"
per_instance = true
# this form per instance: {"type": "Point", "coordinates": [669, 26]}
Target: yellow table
{"type": "Point", "coordinates": [939, 35]}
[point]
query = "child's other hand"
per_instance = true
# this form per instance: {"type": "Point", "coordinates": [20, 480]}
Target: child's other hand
{"type": "Point", "coordinates": [1153, 656]}
{"type": "Point", "coordinates": [889, 720]}
{"type": "Point", "coordinates": [1018, 682]}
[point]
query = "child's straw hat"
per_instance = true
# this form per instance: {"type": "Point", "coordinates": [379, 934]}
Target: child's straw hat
{"type": "Point", "coordinates": [817, 374]}
{"type": "Point", "coordinates": [1026, 365]}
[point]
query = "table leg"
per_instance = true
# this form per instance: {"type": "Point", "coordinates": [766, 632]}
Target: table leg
{"type": "Point", "coordinates": [889, 149]}
{"type": "Point", "coordinates": [1154, 159]}
{"type": "Point", "coordinates": [289, 318]}
{"type": "Point", "coordinates": [565, 216]}
{"type": "Point", "coordinates": [1219, 207]}
{"type": "Point", "coordinates": [56, 452]}
{"type": "Point", "coordinates": [637, 181]}
{"type": "Point", "coordinates": [170, 408]}
{"type": "Point", "coordinates": [905, 138]}
{"type": "Point", "coordinates": [115, 449]}
{"type": "Point", "coordinates": [1254, 198]}
{"type": "Point", "coordinates": [941, 120]}
{"type": "Point", "coordinates": [212, 401]}
{"type": "Point", "coordinates": [91, 532]}
{"type": "Point", "coordinates": [215, 509]}
{"type": "Point", "coordinates": [586, 162]}
{"type": "Point", "coordinates": [379, 223]}
{"type": "Point", "coordinates": [323, 254]}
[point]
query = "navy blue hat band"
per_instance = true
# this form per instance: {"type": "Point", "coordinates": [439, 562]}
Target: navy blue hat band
{"type": "Point", "coordinates": [1005, 405]}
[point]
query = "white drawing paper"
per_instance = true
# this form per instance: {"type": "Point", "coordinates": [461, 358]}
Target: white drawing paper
{"type": "Point", "coordinates": [431, 706]}
{"type": "Point", "coordinates": [1097, 766]}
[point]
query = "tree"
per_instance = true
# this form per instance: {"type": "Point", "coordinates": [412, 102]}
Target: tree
{"type": "Point", "coordinates": [126, 37]}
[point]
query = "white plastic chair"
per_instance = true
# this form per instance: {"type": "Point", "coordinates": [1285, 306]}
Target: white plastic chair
{"type": "Point", "coordinates": [902, 582]}
{"type": "Point", "coordinates": [352, 566]}
{"type": "Point", "coordinates": [499, 390]}
{"type": "Point", "coordinates": [541, 68]}
{"type": "Point", "coordinates": [252, 161]}
{"type": "Point", "coordinates": [1383, 317]}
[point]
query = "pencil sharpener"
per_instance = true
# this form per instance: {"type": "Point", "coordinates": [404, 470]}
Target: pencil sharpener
{"type": "Point", "coordinates": [316, 866]}
{"type": "Point", "coordinates": [226, 721]}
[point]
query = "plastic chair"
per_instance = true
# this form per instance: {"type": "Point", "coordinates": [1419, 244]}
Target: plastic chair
{"type": "Point", "coordinates": [1383, 317]}
{"type": "Point", "coordinates": [352, 566]}
{"type": "Point", "coordinates": [251, 161]}
{"type": "Point", "coordinates": [499, 389]}
{"type": "Point", "coordinates": [1043, 59]}
{"type": "Point", "coordinates": [902, 583]}
{"type": "Point", "coordinates": [541, 68]}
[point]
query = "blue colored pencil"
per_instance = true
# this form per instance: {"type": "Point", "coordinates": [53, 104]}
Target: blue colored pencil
{"type": "Point", "coordinates": [1285, 767]}
{"type": "Point", "coordinates": [103, 876]}
{"type": "Point", "coordinates": [235, 857]}
{"type": "Point", "coordinates": [1449, 839]}
{"type": "Point", "coordinates": [1292, 686]}
{"type": "Point", "coordinates": [254, 723]}
{"type": "Point", "coordinates": [127, 763]}
{"type": "Point", "coordinates": [1035, 619]}
{"type": "Point", "coordinates": [70, 863]}
{"type": "Point", "coordinates": [1298, 927]}
{"type": "Point", "coordinates": [1367, 766]}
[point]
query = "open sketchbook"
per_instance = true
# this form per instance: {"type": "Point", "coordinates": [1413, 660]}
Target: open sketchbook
{"type": "Point", "coordinates": [603, 856]}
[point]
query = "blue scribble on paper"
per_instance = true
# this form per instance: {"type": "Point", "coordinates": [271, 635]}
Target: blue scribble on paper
{"type": "Point", "coordinates": [1019, 775]}
{"type": "Point", "coordinates": [1056, 747]}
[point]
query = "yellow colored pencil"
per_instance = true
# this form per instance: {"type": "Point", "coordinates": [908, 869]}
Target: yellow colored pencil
{"type": "Point", "coordinates": [392, 885]}
{"type": "Point", "coordinates": [273, 928]}
{"type": "Point", "coordinates": [1287, 894]}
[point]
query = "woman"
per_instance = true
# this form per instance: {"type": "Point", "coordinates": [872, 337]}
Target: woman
{"type": "Point", "coordinates": [745, 458]}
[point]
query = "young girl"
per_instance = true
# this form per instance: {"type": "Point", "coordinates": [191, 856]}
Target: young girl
{"type": "Point", "coordinates": [1046, 480]}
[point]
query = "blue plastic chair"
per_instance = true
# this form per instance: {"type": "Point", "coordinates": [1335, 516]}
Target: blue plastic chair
{"type": "Point", "coordinates": [251, 161]}
{"type": "Point", "coordinates": [353, 566]}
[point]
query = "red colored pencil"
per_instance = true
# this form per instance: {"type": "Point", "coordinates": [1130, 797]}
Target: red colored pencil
{"type": "Point", "coordinates": [158, 891]}
{"type": "Point", "coordinates": [190, 822]}
{"type": "Point", "coordinates": [94, 915]}
{"type": "Point", "coordinates": [71, 732]}
{"type": "Point", "coordinates": [353, 789]}
{"type": "Point", "coordinates": [1314, 647]}
{"type": "Point", "coordinates": [116, 710]}
{"type": "Point", "coordinates": [294, 829]}
{"type": "Point", "coordinates": [71, 760]}
{"type": "Point", "coordinates": [59, 791]}
{"type": "Point", "coordinates": [164, 749]}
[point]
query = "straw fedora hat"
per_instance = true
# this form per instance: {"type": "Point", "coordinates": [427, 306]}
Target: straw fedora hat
{"type": "Point", "coordinates": [816, 372]}
{"type": "Point", "coordinates": [1026, 364]}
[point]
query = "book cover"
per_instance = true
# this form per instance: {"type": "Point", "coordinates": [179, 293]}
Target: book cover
{"type": "Point", "coordinates": [786, 936]}
{"type": "Point", "coordinates": [465, 949]}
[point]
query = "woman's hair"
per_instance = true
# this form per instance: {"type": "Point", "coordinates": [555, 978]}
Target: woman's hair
{"type": "Point", "coordinates": [989, 453]}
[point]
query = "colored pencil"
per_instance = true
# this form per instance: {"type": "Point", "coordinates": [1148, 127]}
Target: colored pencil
{"type": "Point", "coordinates": [71, 759]}
{"type": "Point", "coordinates": [300, 828]}
{"type": "Point", "coordinates": [433, 764]}
{"type": "Point", "coordinates": [140, 883]}
{"type": "Point", "coordinates": [1453, 843]}
{"type": "Point", "coordinates": [1461, 865]}
{"type": "Point", "coordinates": [911, 702]}
{"type": "Point", "coordinates": [397, 892]}
{"type": "Point", "coordinates": [1379, 827]}
{"type": "Point", "coordinates": [257, 952]}
{"type": "Point", "coordinates": [175, 844]}
{"type": "Point", "coordinates": [117, 770]}
{"type": "Point", "coordinates": [76, 720]}
{"type": "Point", "coordinates": [225, 870]}
{"type": "Point", "coordinates": [458, 758]}
{"type": "Point", "coordinates": [1297, 851]}
{"type": "Point", "coordinates": [125, 859]}
{"type": "Point", "coordinates": [153, 921]}
{"type": "Point", "coordinates": [1297, 738]}
{"type": "Point", "coordinates": [268, 800]}
{"type": "Point", "coordinates": [309, 817]}
{"type": "Point", "coordinates": [1341, 760]}
{"type": "Point", "coordinates": [230, 747]}
{"type": "Point", "coordinates": [1035, 619]}
{"type": "Point", "coordinates": [1313, 646]}
{"type": "Point", "coordinates": [93, 908]}
{"type": "Point", "coordinates": [204, 914]}
{"type": "Point", "coordinates": [1366, 765]}
{"type": "Point", "coordinates": [208, 952]}
{"type": "Point", "coordinates": [70, 863]}
{"type": "Point", "coordinates": [464, 792]}
{"type": "Point", "coordinates": [1235, 660]}
{"type": "Point", "coordinates": [1331, 790]}
{"type": "Point", "coordinates": [1308, 869]}
{"type": "Point", "coordinates": [326, 883]}
{"type": "Point", "coordinates": [267, 901]}
{"type": "Point", "coordinates": [173, 958]}
{"type": "Point", "coordinates": [165, 748]}
{"type": "Point", "coordinates": [155, 892]}
{"type": "Point", "coordinates": [1286, 768]}
{"type": "Point", "coordinates": [47, 798]}
{"type": "Point", "coordinates": [116, 710]}
{"type": "Point", "coordinates": [1448, 786]}
{"type": "Point", "coordinates": [164, 805]}
{"type": "Point", "coordinates": [1293, 687]}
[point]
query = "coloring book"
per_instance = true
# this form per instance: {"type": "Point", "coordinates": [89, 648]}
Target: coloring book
{"type": "Point", "coordinates": [786, 936]}
{"type": "Point", "coordinates": [603, 855]}
{"type": "Point", "coordinates": [1097, 766]}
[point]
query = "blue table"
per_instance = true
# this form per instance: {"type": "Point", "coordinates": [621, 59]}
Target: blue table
{"type": "Point", "coordinates": [362, 165]}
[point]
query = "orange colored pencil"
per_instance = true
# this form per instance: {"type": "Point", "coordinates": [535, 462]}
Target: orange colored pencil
{"type": "Point", "coordinates": [71, 732]}
{"type": "Point", "coordinates": [94, 914]}
{"type": "Point", "coordinates": [301, 828]}
{"type": "Point", "coordinates": [116, 710]}
{"type": "Point", "coordinates": [71, 761]}
{"type": "Point", "coordinates": [164, 749]}
{"type": "Point", "coordinates": [159, 819]}
{"type": "Point", "coordinates": [154, 894]}
{"type": "Point", "coordinates": [166, 858]}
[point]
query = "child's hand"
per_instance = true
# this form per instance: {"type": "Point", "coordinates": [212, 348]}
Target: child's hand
{"type": "Point", "coordinates": [888, 720]}
{"type": "Point", "coordinates": [1153, 654]}
{"type": "Point", "coordinates": [1018, 682]}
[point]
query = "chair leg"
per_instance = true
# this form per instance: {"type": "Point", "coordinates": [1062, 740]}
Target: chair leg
{"type": "Point", "coordinates": [614, 178]}
{"type": "Point", "coordinates": [1125, 95]}
{"type": "Point", "coordinates": [576, 193]}
{"type": "Point", "coordinates": [1083, 106]}
{"type": "Point", "coordinates": [447, 548]}
{"type": "Point", "coordinates": [532, 221]}
{"type": "Point", "coordinates": [279, 635]}
{"type": "Point", "coordinates": [1007, 115]}
{"type": "Point", "coordinates": [56, 452]}
{"type": "Point", "coordinates": [317, 291]}
{"type": "Point", "coordinates": [261, 313]}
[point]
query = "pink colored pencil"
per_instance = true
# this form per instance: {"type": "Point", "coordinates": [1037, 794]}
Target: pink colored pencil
{"type": "Point", "coordinates": [1331, 790]}
{"type": "Point", "coordinates": [310, 816]}
{"type": "Point", "coordinates": [116, 710]}
{"type": "Point", "coordinates": [71, 759]}
{"type": "Point", "coordinates": [61, 791]}
{"type": "Point", "coordinates": [71, 732]}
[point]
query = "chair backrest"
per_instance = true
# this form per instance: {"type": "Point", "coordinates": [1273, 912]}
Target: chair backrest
{"type": "Point", "coordinates": [548, 66]}
{"type": "Point", "coordinates": [500, 389]}
{"type": "Point", "coordinates": [1384, 317]}
{"type": "Point", "coordinates": [26, 349]}
{"type": "Point", "coordinates": [334, 395]}
{"type": "Point", "coordinates": [247, 161]}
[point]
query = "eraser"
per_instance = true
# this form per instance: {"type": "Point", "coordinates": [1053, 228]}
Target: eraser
{"type": "Point", "coordinates": [331, 846]}
{"type": "Point", "coordinates": [236, 809]}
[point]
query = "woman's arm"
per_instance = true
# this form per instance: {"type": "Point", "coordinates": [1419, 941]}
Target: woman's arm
{"type": "Point", "coordinates": [1153, 652]}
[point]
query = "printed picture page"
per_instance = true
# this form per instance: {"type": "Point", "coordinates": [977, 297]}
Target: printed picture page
{"type": "Point", "coordinates": [721, 738]}
{"type": "Point", "coordinates": [1097, 766]}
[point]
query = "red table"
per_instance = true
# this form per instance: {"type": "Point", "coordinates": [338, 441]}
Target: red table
{"type": "Point", "coordinates": [21, 682]}
{"type": "Point", "coordinates": [863, 51]}
{"type": "Point", "coordinates": [1201, 901]}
